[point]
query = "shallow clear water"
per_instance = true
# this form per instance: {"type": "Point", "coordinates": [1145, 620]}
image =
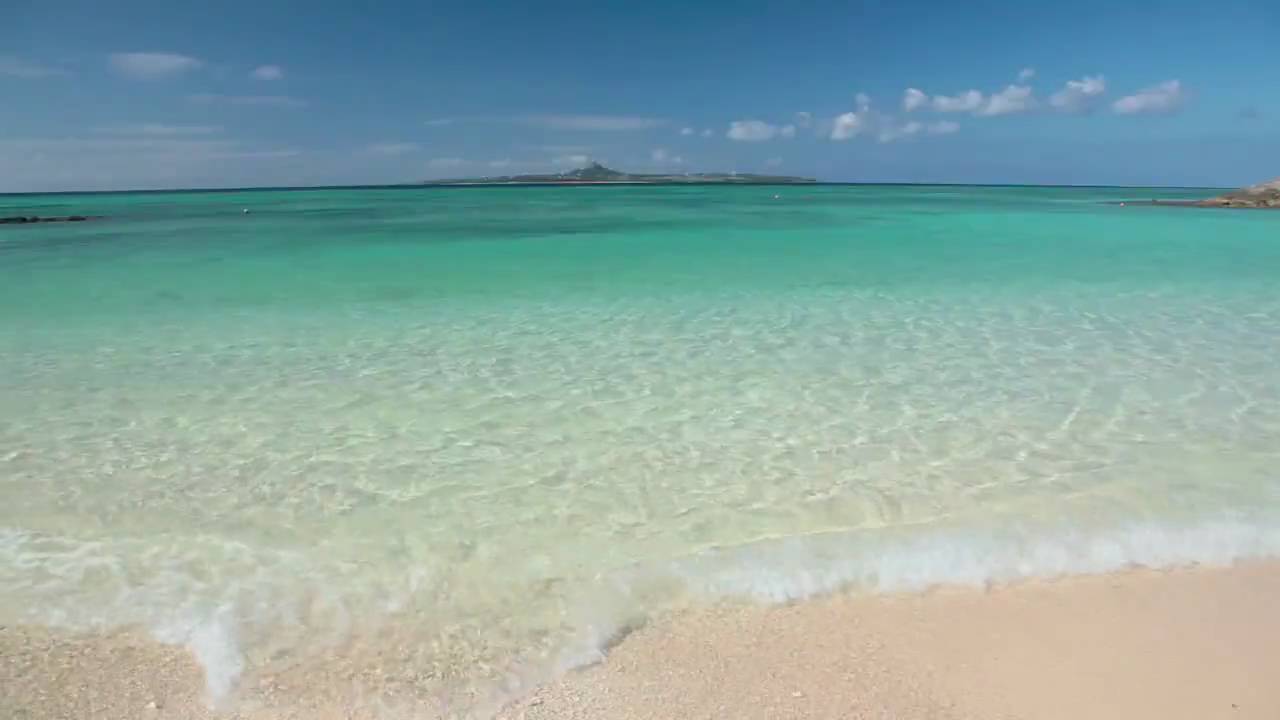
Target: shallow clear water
{"type": "Point", "coordinates": [471, 434]}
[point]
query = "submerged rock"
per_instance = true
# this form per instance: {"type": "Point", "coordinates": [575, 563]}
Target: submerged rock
{"type": "Point", "coordinates": [26, 219]}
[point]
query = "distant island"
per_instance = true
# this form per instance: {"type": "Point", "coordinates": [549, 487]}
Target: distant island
{"type": "Point", "coordinates": [597, 174]}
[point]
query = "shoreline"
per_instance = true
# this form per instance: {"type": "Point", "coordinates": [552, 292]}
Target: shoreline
{"type": "Point", "coordinates": [1190, 642]}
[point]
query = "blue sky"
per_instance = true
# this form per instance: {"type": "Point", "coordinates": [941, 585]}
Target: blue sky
{"type": "Point", "coordinates": [161, 94]}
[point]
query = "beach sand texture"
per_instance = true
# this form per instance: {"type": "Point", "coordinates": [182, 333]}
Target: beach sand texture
{"type": "Point", "coordinates": [1189, 643]}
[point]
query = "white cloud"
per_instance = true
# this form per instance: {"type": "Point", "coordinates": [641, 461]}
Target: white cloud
{"type": "Point", "coordinates": [890, 132]}
{"type": "Point", "coordinates": [662, 156]}
{"type": "Point", "coordinates": [152, 65]}
{"type": "Point", "coordinates": [913, 99]}
{"type": "Point", "coordinates": [267, 72]}
{"type": "Point", "coordinates": [866, 120]}
{"type": "Point", "coordinates": [120, 162]}
{"type": "Point", "coordinates": [19, 68]}
{"type": "Point", "coordinates": [1012, 99]}
{"type": "Point", "coordinates": [1015, 98]}
{"type": "Point", "coordinates": [968, 101]}
{"type": "Point", "coordinates": [686, 132]}
{"type": "Point", "coordinates": [708, 133]}
{"type": "Point", "coordinates": [758, 131]}
{"type": "Point", "coordinates": [848, 125]}
{"type": "Point", "coordinates": [852, 124]}
{"type": "Point", "coordinates": [259, 154]}
{"type": "Point", "coordinates": [607, 123]}
{"type": "Point", "coordinates": [604, 123]}
{"type": "Point", "coordinates": [1167, 97]}
{"type": "Point", "coordinates": [282, 101]}
{"type": "Point", "coordinates": [751, 131]}
{"type": "Point", "coordinates": [803, 119]}
{"type": "Point", "coordinates": [575, 161]}
{"type": "Point", "coordinates": [124, 145]}
{"type": "Point", "coordinates": [773, 162]}
{"type": "Point", "coordinates": [161, 130]}
{"type": "Point", "coordinates": [1078, 96]}
{"type": "Point", "coordinates": [445, 162]}
{"type": "Point", "coordinates": [561, 149]}
{"type": "Point", "coordinates": [392, 148]}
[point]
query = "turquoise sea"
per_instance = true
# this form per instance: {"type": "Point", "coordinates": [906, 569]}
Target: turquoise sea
{"type": "Point", "coordinates": [468, 436]}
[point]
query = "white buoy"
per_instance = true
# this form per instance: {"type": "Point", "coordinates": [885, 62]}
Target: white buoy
{"type": "Point", "coordinates": [245, 211]}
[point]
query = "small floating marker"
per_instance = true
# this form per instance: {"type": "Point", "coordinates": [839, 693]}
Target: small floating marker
{"type": "Point", "coordinates": [245, 211]}
{"type": "Point", "coordinates": [1121, 205]}
{"type": "Point", "coordinates": [775, 197]}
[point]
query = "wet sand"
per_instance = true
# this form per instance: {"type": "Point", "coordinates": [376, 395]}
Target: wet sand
{"type": "Point", "coordinates": [1190, 643]}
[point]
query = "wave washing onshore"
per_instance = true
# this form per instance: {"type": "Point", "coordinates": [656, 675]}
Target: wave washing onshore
{"type": "Point", "coordinates": [398, 652]}
{"type": "Point", "coordinates": [460, 441]}
{"type": "Point", "coordinates": [1186, 644]}
{"type": "Point", "coordinates": [1189, 643]}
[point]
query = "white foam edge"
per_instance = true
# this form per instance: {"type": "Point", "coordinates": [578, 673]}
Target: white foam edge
{"type": "Point", "coordinates": [787, 569]}
{"type": "Point", "coordinates": [211, 639]}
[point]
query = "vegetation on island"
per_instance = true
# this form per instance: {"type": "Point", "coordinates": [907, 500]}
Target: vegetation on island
{"type": "Point", "coordinates": [597, 173]}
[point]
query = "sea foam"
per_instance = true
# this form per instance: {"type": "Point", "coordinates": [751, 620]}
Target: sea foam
{"type": "Point", "coordinates": [599, 609]}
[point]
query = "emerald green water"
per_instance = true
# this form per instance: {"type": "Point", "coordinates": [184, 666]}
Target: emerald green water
{"type": "Point", "coordinates": [488, 428]}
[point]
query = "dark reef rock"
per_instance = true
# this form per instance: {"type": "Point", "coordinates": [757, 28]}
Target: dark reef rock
{"type": "Point", "coordinates": [1262, 195]}
{"type": "Point", "coordinates": [28, 219]}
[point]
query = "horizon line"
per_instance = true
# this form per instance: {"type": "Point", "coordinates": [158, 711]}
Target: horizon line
{"type": "Point", "coordinates": [445, 185]}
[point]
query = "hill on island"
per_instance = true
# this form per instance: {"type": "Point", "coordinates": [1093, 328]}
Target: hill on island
{"type": "Point", "coordinates": [595, 173]}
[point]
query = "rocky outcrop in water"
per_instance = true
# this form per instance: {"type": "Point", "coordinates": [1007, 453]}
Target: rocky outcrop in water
{"type": "Point", "coordinates": [1262, 195]}
{"type": "Point", "coordinates": [27, 219]}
